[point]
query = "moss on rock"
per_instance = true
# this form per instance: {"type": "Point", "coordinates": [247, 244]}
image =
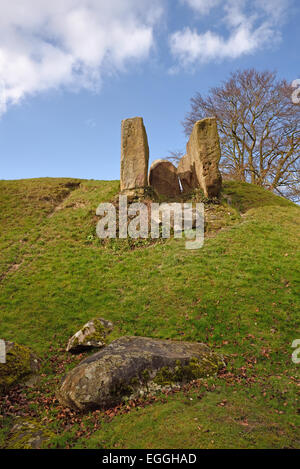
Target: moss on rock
{"type": "Point", "coordinates": [20, 363]}
{"type": "Point", "coordinates": [28, 434]}
{"type": "Point", "coordinates": [197, 368]}
{"type": "Point", "coordinates": [99, 334]}
{"type": "Point", "coordinates": [132, 366]}
{"type": "Point", "coordinates": [92, 335]}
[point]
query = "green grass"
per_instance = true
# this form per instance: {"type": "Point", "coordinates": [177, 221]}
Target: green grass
{"type": "Point", "coordinates": [239, 294]}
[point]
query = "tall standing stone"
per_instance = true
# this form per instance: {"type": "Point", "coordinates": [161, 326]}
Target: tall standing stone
{"type": "Point", "coordinates": [134, 154]}
{"type": "Point", "coordinates": [204, 153]}
{"type": "Point", "coordinates": [163, 178]}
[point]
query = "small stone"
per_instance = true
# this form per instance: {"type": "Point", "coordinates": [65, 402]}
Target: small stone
{"type": "Point", "coordinates": [92, 335]}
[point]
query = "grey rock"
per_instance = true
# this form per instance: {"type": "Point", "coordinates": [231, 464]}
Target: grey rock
{"type": "Point", "coordinates": [92, 335]}
{"type": "Point", "coordinates": [131, 366]}
{"type": "Point", "coordinates": [21, 364]}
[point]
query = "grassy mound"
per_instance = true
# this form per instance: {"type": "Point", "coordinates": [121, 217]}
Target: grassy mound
{"type": "Point", "coordinates": [239, 294]}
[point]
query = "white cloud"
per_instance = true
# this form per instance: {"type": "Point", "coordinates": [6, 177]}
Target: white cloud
{"type": "Point", "coordinates": [202, 6]}
{"type": "Point", "coordinates": [251, 25]}
{"type": "Point", "coordinates": [46, 44]}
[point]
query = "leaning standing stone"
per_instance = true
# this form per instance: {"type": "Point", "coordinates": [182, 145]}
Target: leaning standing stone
{"type": "Point", "coordinates": [163, 178]}
{"type": "Point", "coordinates": [204, 152]}
{"type": "Point", "coordinates": [134, 154]}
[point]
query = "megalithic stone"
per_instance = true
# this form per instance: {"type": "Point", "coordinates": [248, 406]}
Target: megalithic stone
{"type": "Point", "coordinates": [204, 152]}
{"type": "Point", "coordinates": [163, 178]}
{"type": "Point", "coordinates": [186, 174]}
{"type": "Point", "coordinates": [134, 154]}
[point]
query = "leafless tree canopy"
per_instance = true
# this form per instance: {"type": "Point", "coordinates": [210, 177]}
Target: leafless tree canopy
{"type": "Point", "coordinates": [259, 129]}
{"type": "Point", "coordinates": [175, 156]}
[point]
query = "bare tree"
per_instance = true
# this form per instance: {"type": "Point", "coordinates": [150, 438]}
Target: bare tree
{"type": "Point", "coordinates": [175, 156]}
{"type": "Point", "coordinates": [259, 129]}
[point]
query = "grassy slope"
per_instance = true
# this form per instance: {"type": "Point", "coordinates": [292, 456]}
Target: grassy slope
{"type": "Point", "coordinates": [239, 294]}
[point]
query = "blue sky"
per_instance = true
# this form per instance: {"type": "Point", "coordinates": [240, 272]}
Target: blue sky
{"type": "Point", "coordinates": [71, 70]}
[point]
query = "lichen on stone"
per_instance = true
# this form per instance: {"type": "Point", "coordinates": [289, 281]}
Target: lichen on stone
{"type": "Point", "coordinates": [195, 369]}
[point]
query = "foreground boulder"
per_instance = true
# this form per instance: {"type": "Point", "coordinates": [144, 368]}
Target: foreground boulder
{"type": "Point", "coordinates": [92, 335]}
{"type": "Point", "coordinates": [163, 178]}
{"type": "Point", "coordinates": [131, 366]}
{"type": "Point", "coordinates": [21, 366]}
{"type": "Point", "coordinates": [134, 155]}
{"type": "Point", "coordinates": [204, 154]}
